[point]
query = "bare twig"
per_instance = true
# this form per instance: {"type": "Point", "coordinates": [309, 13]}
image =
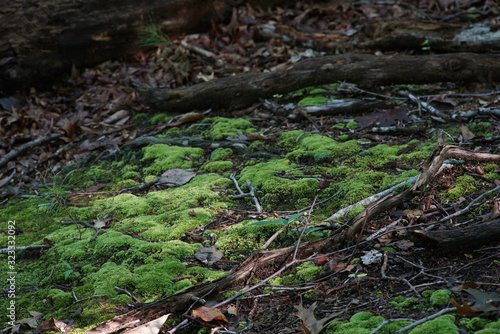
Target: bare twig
{"type": "Point", "coordinates": [421, 321]}
{"type": "Point", "coordinates": [21, 248]}
{"type": "Point", "coordinates": [469, 206]}
{"type": "Point", "coordinates": [390, 278]}
{"type": "Point", "coordinates": [7, 180]}
{"type": "Point", "coordinates": [34, 143]}
{"type": "Point", "coordinates": [371, 199]}
{"type": "Point", "coordinates": [250, 193]}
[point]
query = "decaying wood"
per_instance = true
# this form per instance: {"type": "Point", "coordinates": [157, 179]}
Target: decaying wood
{"type": "Point", "coordinates": [241, 91]}
{"type": "Point", "coordinates": [438, 37]}
{"type": "Point", "coordinates": [462, 238]}
{"type": "Point", "coordinates": [43, 39]}
{"type": "Point", "coordinates": [272, 260]}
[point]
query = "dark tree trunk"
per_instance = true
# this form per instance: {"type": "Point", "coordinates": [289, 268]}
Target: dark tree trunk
{"type": "Point", "coordinates": [43, 39]}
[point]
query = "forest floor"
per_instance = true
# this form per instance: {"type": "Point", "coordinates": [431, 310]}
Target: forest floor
{"type": "Point", "coordinates": [126, 203]}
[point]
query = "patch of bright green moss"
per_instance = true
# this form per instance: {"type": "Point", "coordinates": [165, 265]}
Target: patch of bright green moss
{"type": "Point", "coordinates": [225, 127]}
{"type": "Point", "coordinates": [317, 147]}
{"type": "Point", "coordinates": [221, 154]}
{"type": "Point", "coordinates": [289, 138]}
{"type": "Point", "coordinates": [352, 125]}
{"type": "Point", "coordinates": [275, 190]}
{"type": "Point", "coordinates": [243, 238]}
{"type": "Point", "coordinates": [168, 157]}
{"type": "Point", "coordinates": [313, 100]}
{"type": "Point", "coordinates": [307, 271]}
{"type": "Point", "coordinates": [440, 298]}
{"type": "Point", "coordinates": [444, 324]}
{"type": "Point", "coordinates": [362, 323]}
{"type": "Point", "coordinates": [474, 324]}
{"type": "Point", "coordinates": [159, 118]}
{"type": "Point", "coordinates": [304, 272]}
{"type": "Point", "coordinates": [491, 168]}
{"type": "Point", "coordinates": [405, 303]}
{"type": "Point", "coordinates": [464, 185]}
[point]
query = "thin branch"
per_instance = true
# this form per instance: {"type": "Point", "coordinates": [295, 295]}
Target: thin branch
{"type": "Point", "coordinates": [469, 206]}
{"type": "Point", "coordinates": [34, 143]}
{"type": "Point", "coordinates": [421, 321]}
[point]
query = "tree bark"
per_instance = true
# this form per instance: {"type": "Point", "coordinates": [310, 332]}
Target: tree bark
{"type": "Point", "coordinates": [43, 39]}
{"type": "Point", "coordinates": [238, 92]}
{"type": "Point", "coordinates": [460, 239]}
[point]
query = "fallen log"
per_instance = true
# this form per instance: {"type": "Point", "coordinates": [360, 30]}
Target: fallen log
{"type": "Point", "coordinates": [460, 239]}
{"type": "Point", "coordinates": [241, 91]}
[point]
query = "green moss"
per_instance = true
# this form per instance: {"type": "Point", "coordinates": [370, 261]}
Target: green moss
{"type": "Point", "coordinates": [59, 298]}
{"type": "Point", "coordinates": [355, 211]}
{"type": "Point", "coordinates": [342, 138]}
{"type": "Point", "coordinates": [289, 138]}
{"type": "Point", "coordinates": [479, 128]}
{"type": "Point", "coordinates": [464, 185]}
{"type": "Point", "coordinates": [492, 176]}
{"type": "Point", "coordinates": [352, 125]}
{"type": "Point", "coordinates": [217, 166]}
{"type": "Point", "coordinates": [491, 168]}
{"type": "Point", "coordinates": [125, 184]}
{"type": "Point", "coordinates": [225, 127]}
{"type": "Point", "coordinates": [109, 276]}
{"type": "Point", "coordinates": [307, 271]}
{"type": "Point", "coordinates": [244, 237]}
{"type": "Point", "coordinates": [491, 328]}
{"type": "Point", "coordinates": [157, 278]}
{"type": "Point", "coordinates": [440, 298]}
{"type": "Point", "coordinates": [313, 100]}
{"type": "Point", "coordinates": [474, 324]}
{"type": "Point", "coordinates": [125, 205]}
{"type": "Point", "coordinates": [427, 293]}
{"type": "Point", "coordinates": [360, 323]}
{"type": "Point", "coordinates": [168, 157]}
{"type": "Point", "coordinates": [140, 116]}
{"type": "Point", "coordinates": [159, 118]}
{"type": "Point", "coordinates": [311, 146]}
{"type": "Point", "coordinates": [275, 190]}
{"type": "Point", "coordinates": [442, 325]}
{"type": "Point", "coordinates": [405, 303]}
{"type": "Point", "coordinates": [221, 154]}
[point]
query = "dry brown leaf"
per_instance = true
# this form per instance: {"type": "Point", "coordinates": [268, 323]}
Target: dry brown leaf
{"type": "Point", "coordinates": [466, 133]}
{"type": "Point", "coordinates": [311, 325]}
{"type": "Point", "coordinates": [462, 309]}
{"type": "Point", "coordinates": [209, 314]}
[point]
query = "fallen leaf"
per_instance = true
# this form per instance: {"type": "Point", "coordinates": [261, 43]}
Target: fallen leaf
{"type": "Point", "coordinates": [310, 324]}
{"type": "Point", "coordinates": [485, 301]}
{"type": "Point", "coordinates": [209, 314]}
{"type": "Point", "coordinates": [208, 255]}
{"type": "Point", "coordinates": [462, 309]}
{"type": "Point", "coordinates": [466, 133]}
{"type": "Point", "coordinates": [176, 177]}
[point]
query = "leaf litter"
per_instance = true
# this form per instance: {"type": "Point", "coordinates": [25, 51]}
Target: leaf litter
{"type": "Point", "coordinates": [93, 115]}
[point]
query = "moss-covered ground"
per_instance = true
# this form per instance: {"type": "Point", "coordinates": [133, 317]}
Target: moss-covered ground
{"type": "Point", "coordinates": [146, 240]}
